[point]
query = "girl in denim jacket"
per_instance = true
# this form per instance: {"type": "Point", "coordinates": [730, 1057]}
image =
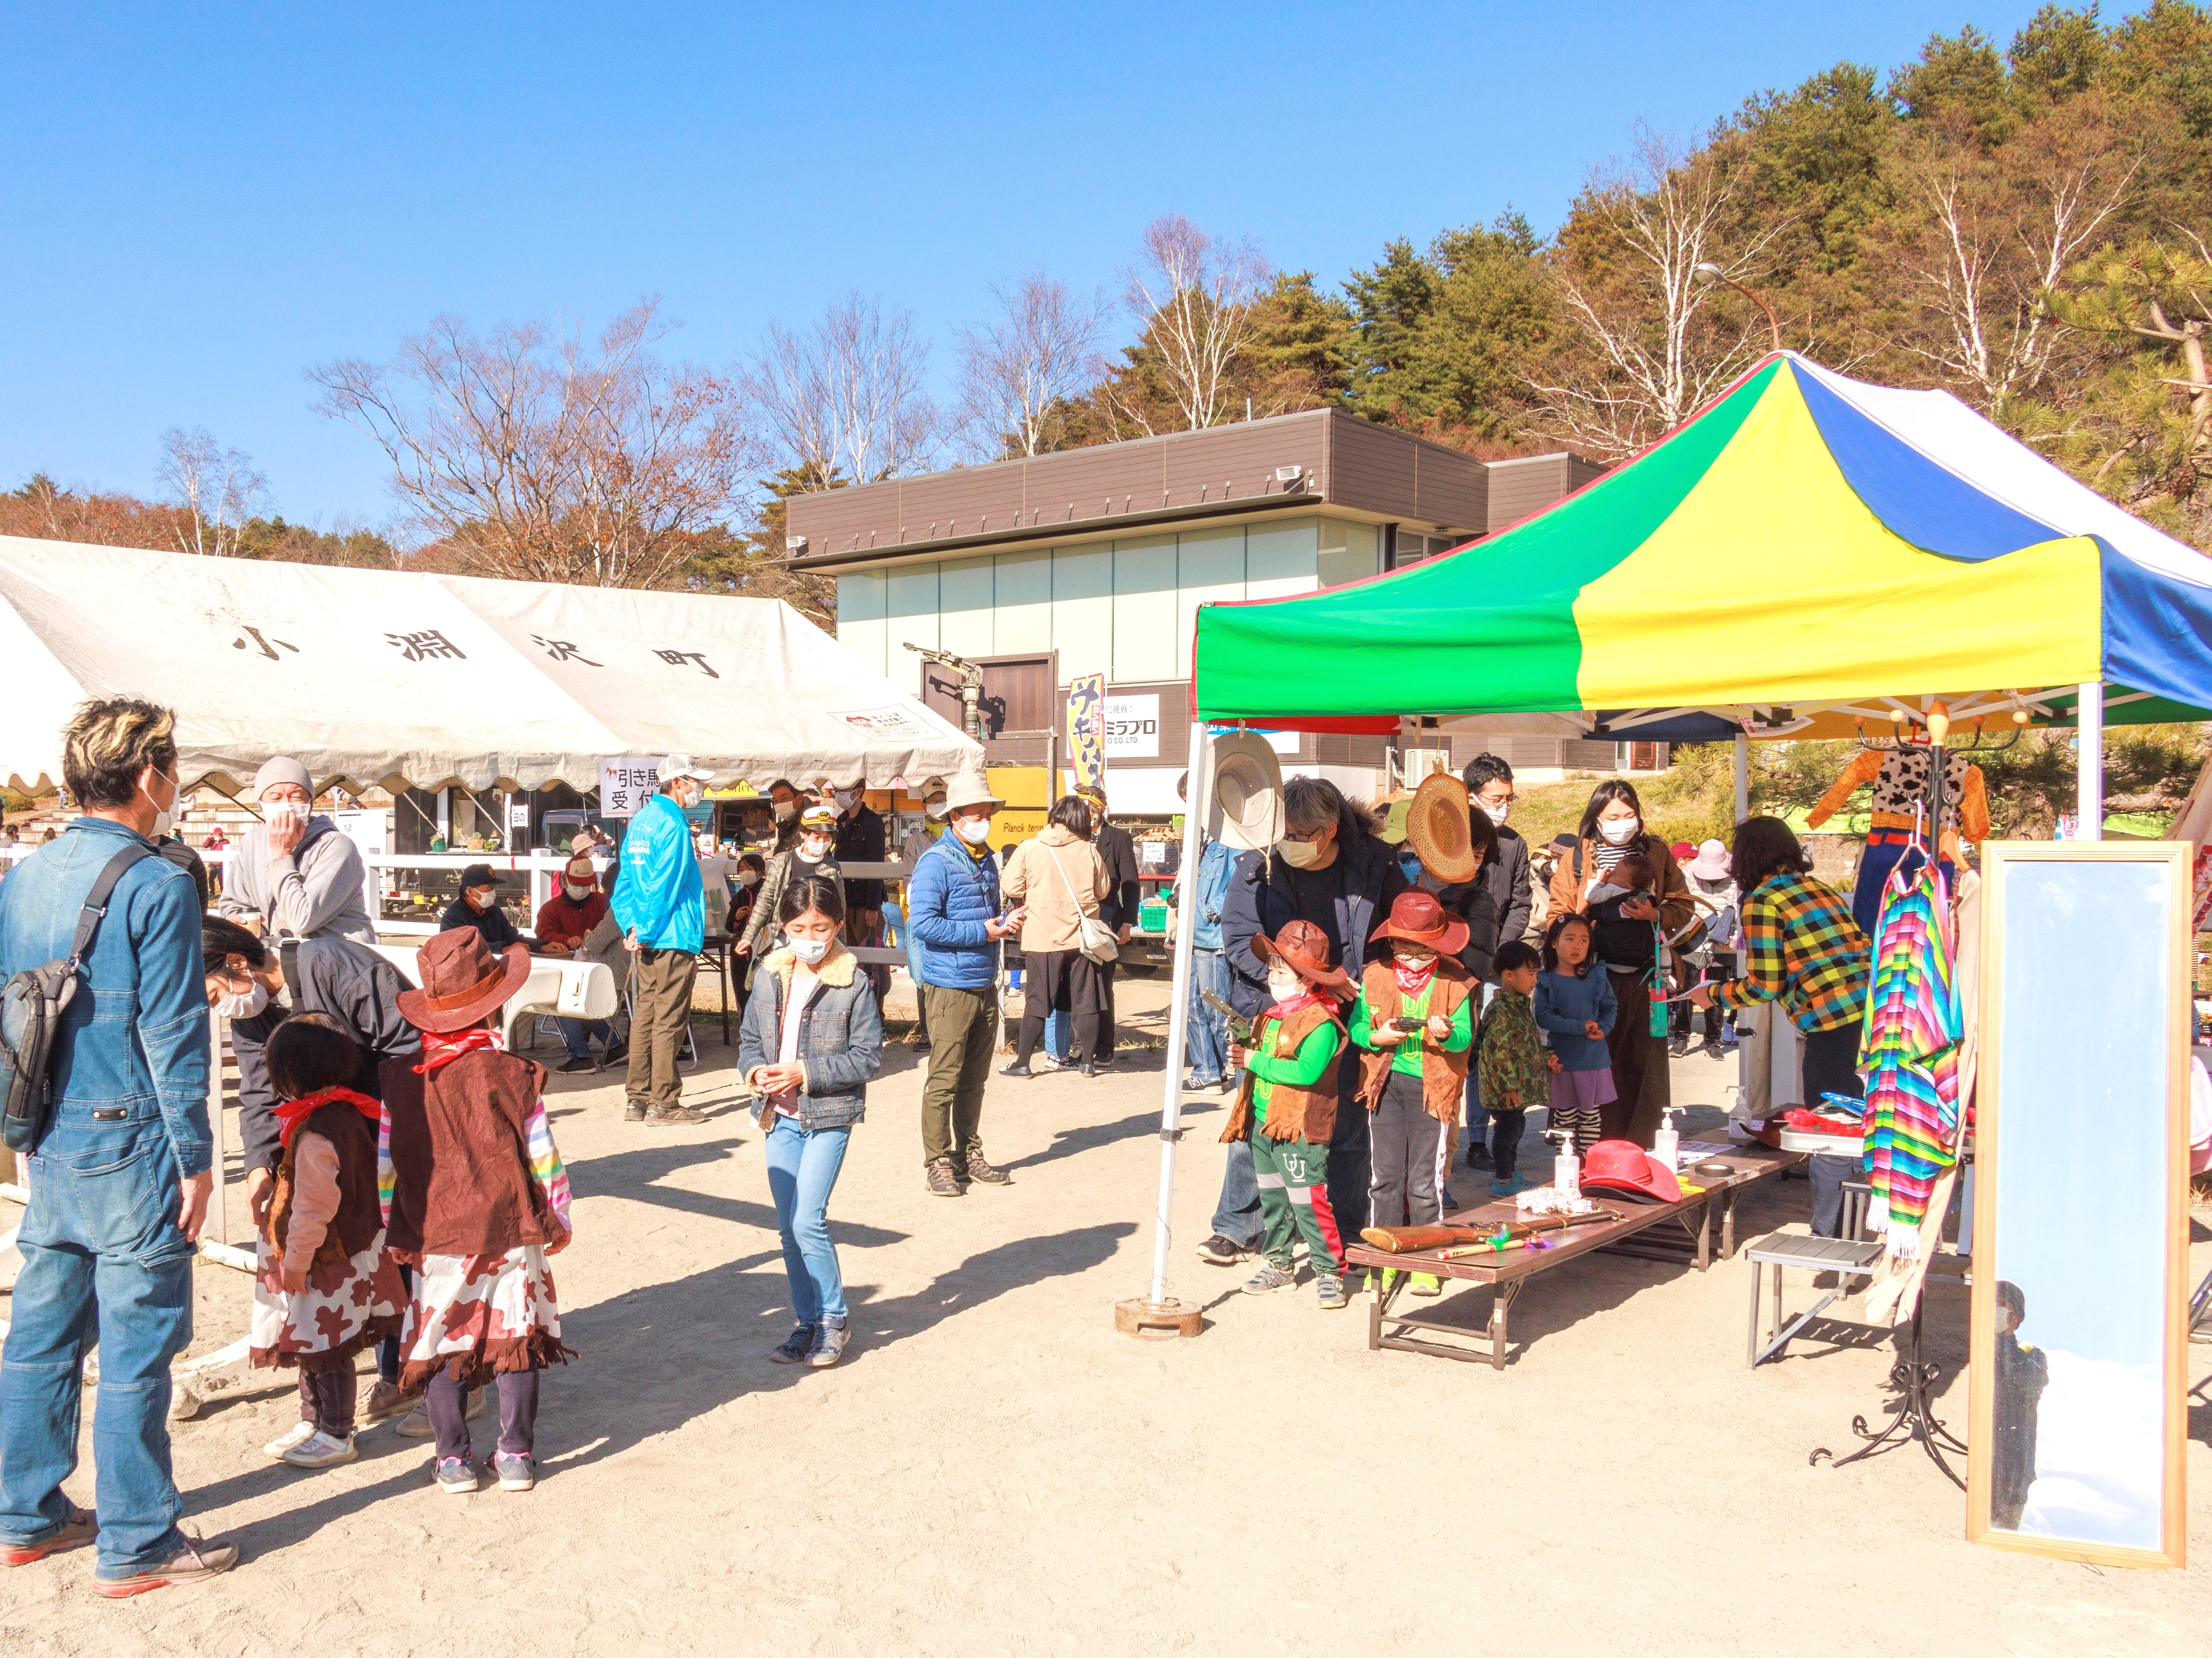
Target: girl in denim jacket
{"type": "Point", "coordinates": [813, 1037]}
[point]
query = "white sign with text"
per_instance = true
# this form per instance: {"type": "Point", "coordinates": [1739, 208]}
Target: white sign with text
{"type": "Point", "coordinates": [626, 784]}
{"type": "Point", "coordinates": [1133, 727]}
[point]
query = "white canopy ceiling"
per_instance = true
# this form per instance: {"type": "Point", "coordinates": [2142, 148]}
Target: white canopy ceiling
{"type": "Point", "coordinates": [378, 677]}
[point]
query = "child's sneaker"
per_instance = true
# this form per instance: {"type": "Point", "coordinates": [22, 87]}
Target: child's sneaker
{"type": "Point", "coordinates": [1506, 1188]}
{"type": "Point", "coordinates": [298, 1434]}
{"type": "Point", "coordinates": [1270, 1278]}
{"type": "Point", "coordinates": [516, 1471]}
{"type": "Point", "coordinates": [1329, 1292]}
{"type": "Point", "coordinates": [1427, 1283]}
{"type": "Point", "coordinates": [320, 1450]}
{"type": "Point", "coordinates": [456, 1476]}
{"type": "Point", "coordinates": [383, 1398]}
{"type": "Point", "coordinates": [415, 1425]}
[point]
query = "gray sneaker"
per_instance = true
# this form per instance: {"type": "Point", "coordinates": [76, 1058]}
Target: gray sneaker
{"type": "Point", "coordinates": [456, 1476]}
{"type": "Point", "coordinates": [796, 1346]}
{"type": "Point", "coordinates": [829, 1345]}
{"type": "Point", "coordinates": [663, 1116]}
{"type": "Point", "coordinates": [516, 1471]}
{"type": "Point", "coordinates": [1329, 1292]}
{"type": "Point", "coordinates": [1270, 1278]}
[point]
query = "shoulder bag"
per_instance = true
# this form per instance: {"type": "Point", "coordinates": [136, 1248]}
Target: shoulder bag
{"type": "Point", "coordinates": [1094, 939]}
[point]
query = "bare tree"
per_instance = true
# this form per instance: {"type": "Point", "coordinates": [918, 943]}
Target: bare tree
{"type": "Point", "coordinates": [1038, 352]}
{"type": "Point", "coordinates": [1196, 294]}
{"type": "Point", "coordinates": [1990, 236]}
{"type": "Point", "coordinates": [846, 395]}
{"type": "Point", "coordinates": [1651, 352]}
{"type": "Point", "coordinates": [529, 453]}
{"type": "Point", "coordinates": [214, 490]}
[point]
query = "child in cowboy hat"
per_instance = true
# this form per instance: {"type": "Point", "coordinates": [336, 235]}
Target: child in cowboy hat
{"type": "Point", "coordinates": [475, 1196]}
{"type": "Point", "coordinates": [1289, 1094]}
{"type": "Point", "coordinates": [1414, 1018]}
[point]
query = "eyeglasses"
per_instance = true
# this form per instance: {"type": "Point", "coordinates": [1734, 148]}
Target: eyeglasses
{"type": "Point", "coordinates": [1310, 835]}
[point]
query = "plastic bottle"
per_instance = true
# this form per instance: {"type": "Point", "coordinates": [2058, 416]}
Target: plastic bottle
{"type": "Point", "coordinates": [1666, 1143]}
{"type": "Point", "coordinates": [1661, 976]}
{"type": "Point", "coordinates": [1566, 1167]}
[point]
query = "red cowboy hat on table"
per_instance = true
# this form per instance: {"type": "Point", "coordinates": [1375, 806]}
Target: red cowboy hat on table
{"type": "Point", "coordinates": [462, 980]}
{"type": "Point", "coordinates": [1624, 1167]}
{"type": "Point", "coordinates": [1416, 917]}
{"type": "Point", "coordinates": [1303, 948]}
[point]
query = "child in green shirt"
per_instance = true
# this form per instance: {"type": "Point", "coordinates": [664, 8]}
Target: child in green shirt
{"type": "Point", "coordinates": [1287, 1107]}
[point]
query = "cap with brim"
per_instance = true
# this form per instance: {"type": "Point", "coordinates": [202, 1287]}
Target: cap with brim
{"type": "Point", "coordinates": [464, 980]}
{"type": "Point", "coordinates": [817, 817]}
{"type": "Point", "coordinates": [1437, 829]}
{"type": "Point", "coordinates": [478, 875]}
{"type": "Point", "coordinates": [1302, 947]}
{"type": "Point", "coordinates": [579, 868]}
{"type": "Point", "coordinates": [679, 765]}
{"type": "Point", "coordinates": [969, 791]}
{"type": "Point", "coordinates": [1247, 790]}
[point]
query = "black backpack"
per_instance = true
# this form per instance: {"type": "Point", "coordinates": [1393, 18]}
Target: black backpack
{"type": "Point", "coordinates": [31, 1005]}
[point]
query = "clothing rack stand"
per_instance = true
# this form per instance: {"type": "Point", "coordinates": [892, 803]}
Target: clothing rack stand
{"type": "Point", "coordinates": [1911, 1416]}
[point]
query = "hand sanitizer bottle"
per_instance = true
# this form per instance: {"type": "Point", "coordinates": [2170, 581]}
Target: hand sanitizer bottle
{"type": "Point", "coordinates": [1566, 1167]}
{"type": "Point", "coordinates": [1666, 1143]}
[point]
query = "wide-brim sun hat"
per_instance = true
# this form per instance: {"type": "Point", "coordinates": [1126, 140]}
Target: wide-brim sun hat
{"type": "Point", "coordinates": [464, 980]}
{"type": "Point", "coordinates": [970, 790]}
{"type": "Point", "coordinates": [1712, 862]}
{"type": "Point", "coordinates": [1303, 948]}
{"type": "Point", "coordinates": [1248, 791]}
{"type": "Point", "coordinates": [1437, 829]}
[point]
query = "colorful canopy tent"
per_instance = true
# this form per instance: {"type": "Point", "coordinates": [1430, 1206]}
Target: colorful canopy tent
{"type": "Point", "coordinates": [1806, 542]}
{"type": "Point", "coordinates": [379, 677]}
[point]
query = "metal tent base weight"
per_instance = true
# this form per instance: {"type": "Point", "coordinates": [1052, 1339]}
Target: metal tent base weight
{"type": "Point", "coordinates": [1157, 1321]}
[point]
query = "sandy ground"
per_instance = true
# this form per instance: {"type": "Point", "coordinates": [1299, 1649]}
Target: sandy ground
{"type": "Point", "coordinates": [995, 1470]}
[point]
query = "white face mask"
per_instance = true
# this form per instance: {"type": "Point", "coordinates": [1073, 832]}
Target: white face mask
{"type": "Point", "coordinates": [809, 951]}
{"type": "Point", "coordinates": [1498, 814]}
{"type": "Point", "coordinates": [164, 817]}
{"type": "Point", "coordinates": [935, 811]}
{"type": "Point", "coordinates": [576, 893]}
{"type": "Point", "coordinates": [748, 877]}
{"type": "Point", "coordinates": [1285, 987]}
{"type": "Point", "coordinates": [1299, 854]}
{"type": "Point", "coordinates": [974, 830]}
{"type": "Point", "coordinates": [786, 811]}
{"type": "Point", "coordinates": [233, 1005]}
{"type": "Point", "coordinates": [1620, 831]}
{"type": "Point", "coordinates": [280, 811]}
{"type": "Point", "coordinates": [482, 899]}
{"type": "Point", "coordinates": [846, 797]}
{"type": "Point", "coordinates": [813, 848]}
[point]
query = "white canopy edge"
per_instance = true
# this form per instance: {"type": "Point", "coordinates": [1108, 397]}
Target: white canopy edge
{"type": "Point", "coordinates": [375, 677]}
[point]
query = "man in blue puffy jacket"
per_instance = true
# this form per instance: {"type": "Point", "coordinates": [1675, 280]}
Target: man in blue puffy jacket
{"type": "Point", "coordinates": [953, 904]}
{"type": "Point", "coordinates": [658, 905]}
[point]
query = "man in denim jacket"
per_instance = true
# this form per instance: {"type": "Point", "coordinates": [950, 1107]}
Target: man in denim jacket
{"type": "Point", "coordinates": [119, 1180]}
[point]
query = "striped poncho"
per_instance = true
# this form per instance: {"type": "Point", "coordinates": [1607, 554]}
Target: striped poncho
{"type": "Point", "coordinates": [1909, 1055]}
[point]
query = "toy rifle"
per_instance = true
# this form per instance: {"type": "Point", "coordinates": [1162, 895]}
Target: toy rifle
{"type": "Point", "coordinates": [1239, 1026]}
{"type": "Point", "coordinates": [1402, 1239]}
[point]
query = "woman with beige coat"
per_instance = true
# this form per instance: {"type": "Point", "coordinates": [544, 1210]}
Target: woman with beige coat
{"type": "Point", "coordinates": [1060, 878]}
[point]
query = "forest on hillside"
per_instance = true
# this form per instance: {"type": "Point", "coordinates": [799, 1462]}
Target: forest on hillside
{"type": "Point", "coordinates": [2024, 223]}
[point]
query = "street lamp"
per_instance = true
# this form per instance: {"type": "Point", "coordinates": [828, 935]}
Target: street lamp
{"type": "Point", "coordinates": [1707, 273]}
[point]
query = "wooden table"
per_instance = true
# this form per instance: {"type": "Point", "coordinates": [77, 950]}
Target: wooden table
{"type": "Point", "coordinates": [1646, 1231]}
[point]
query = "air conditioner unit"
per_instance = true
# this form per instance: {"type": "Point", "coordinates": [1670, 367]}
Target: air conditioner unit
{"type": "Point", "coordinates": [794, 544]}
{"type": "Point", "coordinates": [1415, 765]}
{"type": "Point", "coordinates": [1289, 475]}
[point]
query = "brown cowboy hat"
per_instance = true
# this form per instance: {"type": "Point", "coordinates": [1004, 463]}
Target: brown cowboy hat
{"type": "Point", "coordinates": [1303, 948]}
{"type": "Point", "coordinates": [1437, 829]}
{"type": "Point", "coordinates": [462, 980]}
{"type": "Point", "coordinates": [1418, 919]}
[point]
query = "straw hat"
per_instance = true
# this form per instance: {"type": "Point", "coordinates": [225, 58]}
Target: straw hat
{"type": "Point", "coordinates": [1437, 829]}
{"type": "Point", "coordinates": [462, 980]}
{"type": "Point", "coordinates": [1247, 790]}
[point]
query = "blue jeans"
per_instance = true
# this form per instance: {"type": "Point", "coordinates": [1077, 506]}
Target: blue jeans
{"type": "Point", "coordinates": [104, 1261]}
{"type": "Point", "coordinates": [802, 1171]}
{"type": "Point", "coordinates": [1206, 1044]}
{"type": "Point", "coordinates": [1057, 1034]}
{"type": "Point", "coordinates": [1238, 1218]}
{"type": "Point", "coordinates": [576, 1036]}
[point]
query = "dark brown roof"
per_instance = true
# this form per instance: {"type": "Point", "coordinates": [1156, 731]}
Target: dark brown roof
{"type": "Point", "coordinates": [1225, 471]}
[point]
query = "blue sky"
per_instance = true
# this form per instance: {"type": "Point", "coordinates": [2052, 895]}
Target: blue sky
{"type": "Point", "coordinates": [199, 201]}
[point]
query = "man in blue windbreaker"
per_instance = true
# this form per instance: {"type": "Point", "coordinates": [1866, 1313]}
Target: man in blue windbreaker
{"type": "Point", "coordinates": [658, 905]}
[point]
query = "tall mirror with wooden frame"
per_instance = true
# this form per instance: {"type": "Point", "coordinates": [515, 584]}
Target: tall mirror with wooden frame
{"type": "Point", "coordinates": [2081, 1213]}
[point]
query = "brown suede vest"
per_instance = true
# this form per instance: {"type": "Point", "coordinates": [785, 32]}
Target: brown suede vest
{"type": "Point", "coordinates": [460, 1162]}
{"type": "Point", "coordinates": [1293, 1113]}
{"type": "Point", "coordinates": [1443, 1076]}
{"type": "Point", "coordinates": [358, 1220]}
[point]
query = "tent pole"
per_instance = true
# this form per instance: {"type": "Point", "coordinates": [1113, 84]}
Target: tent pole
{"type": "Point", "coordinates": [1197, 804]}
{"type": "Point", "coordinates": [2089, 764]}
{"type": "Point", "coordinates": [1742, 777]}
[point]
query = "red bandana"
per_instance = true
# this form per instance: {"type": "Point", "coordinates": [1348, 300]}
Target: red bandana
{"type": "Point", "coordinates": [1305, 998]}
{"type": "Point", "coordinates": [290, 1114]}
{"type": "Point", "coordinates": [442, 1050]}
{"type": "Point", "coordinates": [1410, 982]}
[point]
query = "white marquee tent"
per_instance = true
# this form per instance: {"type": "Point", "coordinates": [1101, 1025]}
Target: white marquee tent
{"type": "Point", "coordinates": [376, 677]}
